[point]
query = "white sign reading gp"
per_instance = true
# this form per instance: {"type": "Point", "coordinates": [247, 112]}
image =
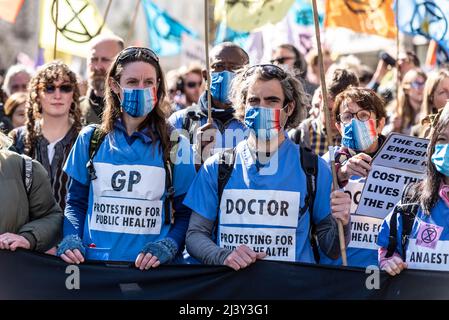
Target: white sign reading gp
{"type": "Point", "coordinates": [274, 212]}
{"type": "Point", "coordinates": [127, 199]}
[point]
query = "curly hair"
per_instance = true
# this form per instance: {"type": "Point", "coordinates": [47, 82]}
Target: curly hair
{"type": "Point", "coordinates": [48, 74]}
{"type": "Point", "coordinates": [291, 86]}
{"type": "Point", "coordinates": [157, 118]}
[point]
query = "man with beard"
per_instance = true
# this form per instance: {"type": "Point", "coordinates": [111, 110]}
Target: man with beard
{"type": "Point", "coordinates": [102, 52]}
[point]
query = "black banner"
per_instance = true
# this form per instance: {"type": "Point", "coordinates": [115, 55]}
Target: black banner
{"type": "Point", "coordinates": [27, 275]}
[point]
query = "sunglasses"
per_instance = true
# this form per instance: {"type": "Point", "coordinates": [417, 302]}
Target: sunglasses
{"type": "Point", "coordinates": [417, 84]}
{"type": "Point", "coordinates": [138, 52]}
{"type": "Point", "coordinates": [65, 88]}
{"type": "Point", "coordinates": [193, 84]}
{"type": "Point", "coordinates": [281, 60]}
{"type": "Point", "coordinates": [270, 70]}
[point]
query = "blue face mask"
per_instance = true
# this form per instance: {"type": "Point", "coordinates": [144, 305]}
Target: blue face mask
{"type": "Point", "coordinates": [138, 102]}
{"type": "Point", "coordinates": [264, 122]}
{"type": "Point", "coordinates": [359, 135]}
{"type": "Point", "coordinates": [220, 84]}
{"type": "Point", "coordinates": [440, 158]}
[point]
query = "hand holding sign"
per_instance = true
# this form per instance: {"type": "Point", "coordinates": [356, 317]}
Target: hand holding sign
{"type": "Point", "coordinates": [358, 165]}
{"type": "Point", "coordinates": [341, 205]}
{"type": "Point", "coordinates": [394, 265]}
{"type": "Point", "coordinates": [242, 257]}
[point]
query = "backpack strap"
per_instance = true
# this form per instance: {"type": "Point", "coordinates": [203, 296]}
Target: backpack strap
{"type": "Point", "coordinates": [407, 209]}
{"type": "Point", "coordinates": [192, 115]}
{"type": "Point", "coordinates": [96, 139]}
{"type": "Point", "coordinates": [27, 173]}
{"type": "Point", "coordinates": [225, 168]}
{"type": "Point", "coordinates": [309, 164]}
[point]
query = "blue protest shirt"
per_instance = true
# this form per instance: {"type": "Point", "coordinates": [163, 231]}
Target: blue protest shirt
{"type": "Point", "coordinates": [126, 201]}
{"type": "Point", "coordinates": [428, 245]}
{"type": "Point", "coordinates": [260, 204]}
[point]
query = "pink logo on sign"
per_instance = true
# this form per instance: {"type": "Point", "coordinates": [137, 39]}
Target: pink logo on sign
{"type": "Point", "coordinates": [428, 235]}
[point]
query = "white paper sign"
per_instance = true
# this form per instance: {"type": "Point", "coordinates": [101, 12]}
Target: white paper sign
{"type": "Point", "coordinates": [403, 152]}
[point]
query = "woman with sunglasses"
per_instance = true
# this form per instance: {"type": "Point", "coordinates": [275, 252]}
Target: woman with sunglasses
{"type": "Point", "coordinates": [53, 123]}
{"type": "Point", "coordinates": [420, 222]}
{"type": "Point", "coordinates": [360, 117]}
{"type": "Point", "coordinates": [405, 111]}
{"type": "Point", "coordinates": [262, 211]}
{"type": "Point", "coordinates": [122, 188]}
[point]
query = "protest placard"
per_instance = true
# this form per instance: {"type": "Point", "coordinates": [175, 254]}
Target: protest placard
{"type": "Point", "coordinates": [401, 160]}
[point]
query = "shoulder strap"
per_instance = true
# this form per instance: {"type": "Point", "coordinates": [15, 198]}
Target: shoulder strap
{"type": "Point", "coordinates": [407, 209]}
{"type": "Point", "coordinates": [27, 173]}
{"type": "Point", "coordinates": [225, 167]}
{"type": "Point", "coordinates": [96, 139]}
{"type": "Point", "coordinates": [309, 164]}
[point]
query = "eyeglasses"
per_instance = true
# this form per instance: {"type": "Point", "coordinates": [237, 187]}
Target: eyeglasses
{"type": "Point", "coordinates": [271, 70]}
{"type": "Point", "coordinates": [137, 52]}
{"type": "Point", "coordinates": [65, 88]}
{"type": "Point", "coordinates": [193, 84]}
{"type": "Point", "coordinates": [281, 60]}
{"type": "Point", "coordinates": [346, 117]}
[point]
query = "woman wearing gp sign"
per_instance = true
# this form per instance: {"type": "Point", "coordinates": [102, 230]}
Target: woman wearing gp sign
{"type": "Point", "coordinates": [360, 116]}
{"type": "Point", "coordinates": [416, 234]}
{"type": "Point", "coordinates": [117, 207]}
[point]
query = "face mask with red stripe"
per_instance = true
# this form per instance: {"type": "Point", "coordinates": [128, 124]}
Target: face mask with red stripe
{"type": "Point", "coordinates": [264, 122]}
{"type": "Point", "coordinates": [359, 135]}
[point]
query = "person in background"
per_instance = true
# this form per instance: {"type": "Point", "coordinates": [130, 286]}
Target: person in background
{"type": "Point", "coordinates": [406, 111]}
{"type": "Point", "coordinates": [436, 95]}
{"type": "Point", "coordinates": [16, 79]}
{"type": "Point", "coordinates": [290, 58]}
{"type": "Point", "coordinates": [313, 73]}
{"type": "Point", "coordinates": [53, 122]}
{"type": "Point", "coordinates": [15, 109]}
{"type": "Point", "coordinates": [102, 52]}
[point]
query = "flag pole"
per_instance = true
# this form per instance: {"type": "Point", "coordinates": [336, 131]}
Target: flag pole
{"type": "Point", "coordinates": [397, 51]}
{"type": "Point", "coordinates": [341, 236]}
{"type": "Point", "coordinates": [105, 16]}
{"type": "Point", "coordinates": [133, 22]}
{"type": "Point", "coordinates": [56, 29]}
{"type": "Point", "coordinates": [206, 40]}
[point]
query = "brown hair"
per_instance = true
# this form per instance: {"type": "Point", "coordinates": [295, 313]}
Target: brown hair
{"type": "Point", "coordinates": [428, 188]}
{"type": "Point", "coordinates": [47, 74]}
{"type": "Point", "coordinates": [367, 99]}
{"type": "Point", "coordinates": [13, 102]}
{"type": "Point", "coordinates": [157, 118]}
{"type": "Point", "coordinates": [292, 88]}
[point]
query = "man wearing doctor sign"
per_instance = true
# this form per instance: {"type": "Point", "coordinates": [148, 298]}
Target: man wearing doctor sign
{"type": "Point", "coordinates": [254, 202]}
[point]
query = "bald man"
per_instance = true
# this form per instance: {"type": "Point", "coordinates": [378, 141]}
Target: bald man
{"type": "Point", "coordinates": [103, 50]}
